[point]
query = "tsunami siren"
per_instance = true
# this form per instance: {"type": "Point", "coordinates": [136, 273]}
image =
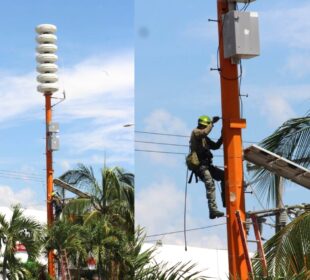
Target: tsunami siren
{"type": "Point", "coordinates": [46, 58]}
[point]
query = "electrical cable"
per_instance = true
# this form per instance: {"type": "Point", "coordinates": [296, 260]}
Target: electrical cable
{"type": "Point", "coordinates": [18, 173]}
{"type": "Point", "coordinates": [240, 96]}
{"type": "Point", "coordinates": [167, 144]}
{"type": "Point", "coordinates": [20, 178]}
{"type": "Point", "coordinates": [161, 143]}
{"type": "Point", "coordinates": [167, 152]}
{"type": "Point", "coordinates": [159, 133]}
{"type": "Point", "coordinates": [181, 231]}
{"type": "Point", "coordinates": [259, 201]}
{"type": "Point", "coordinates": [185, 206]}
{"type": "Point", "coordinates": [183, 136]}
{"type": "Point", "coordinates": [159, 152]}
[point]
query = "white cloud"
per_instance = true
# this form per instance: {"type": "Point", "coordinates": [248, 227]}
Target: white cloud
{"type": "Point", "coordinates": [18, 96]}
{"type": "Point", "coordinates": [298, 65]}
{"type": "Point", "coordinates": [159, 206]}
{"type": "Point", "coordinates": [163, 122]}
{"type": "Point", "coordinates": [65, 165]}
{"type": "Point", "coordinates": [39, 215]}
{"type": "Point", "coordinates": [160, 209]}
{"type": "Point", "coordinates": [87, 84]}
{"type": "Point", "coordinates": [99, 101]}
{"type": "Point", "coordinates": [289, 25]}
{"type": "Point", "coordinates": [277, 110]}
{"type": "Point", "coordinates": [26, 197]}
{"type": "Point", "coordinates": [279, 103]}
{"type": "Point", "coordinates": [203, 30]}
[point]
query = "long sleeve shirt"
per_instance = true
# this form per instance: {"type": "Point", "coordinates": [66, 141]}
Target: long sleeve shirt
{"type": "Point", "coordinates": [202, 144]}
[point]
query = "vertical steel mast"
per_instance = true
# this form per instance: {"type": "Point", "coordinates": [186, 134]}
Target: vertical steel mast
{"type": "Point", "coordinates": [47, 79]}
{"type": "Point", "coordinates": [49, 178]}
{"type": "Point", "coordinates": [232, 125]}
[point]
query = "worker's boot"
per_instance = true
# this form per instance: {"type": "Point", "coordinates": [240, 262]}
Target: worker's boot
{"type": "Point", "coordinates": [215, 214]}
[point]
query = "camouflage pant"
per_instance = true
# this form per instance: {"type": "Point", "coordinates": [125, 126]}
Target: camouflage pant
{"type": "Point", "coordinates": [207, 174]}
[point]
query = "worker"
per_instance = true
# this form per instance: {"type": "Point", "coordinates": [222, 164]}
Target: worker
{"type": "Point", "coordinates": [57, 204]}
{"type": "Point", "coordinates": [200, 145]}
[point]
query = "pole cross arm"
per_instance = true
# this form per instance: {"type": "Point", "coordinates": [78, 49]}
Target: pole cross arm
{"type": "Point", "coordinates": [70, 188]}
{"type": "Point", "coordinates": [278, 165]}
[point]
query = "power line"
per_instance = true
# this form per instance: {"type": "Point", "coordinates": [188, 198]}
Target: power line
{"type": "Point", "coordinates": [182, 231]}
{"type": "Point", "coordinates": [21, 178]}
{"type": "Point", "coordinates": [19, 173]}
{"type": "Point", "coordinates": [167, 152]}
{"type": "Point", "coordinates": [179, 135]}
{"type": "Point", "coordinates": [256, 196]}
{"type": "Point", "coordinates": [166, 144]}
{"type": "Point", "coordinates": [158, 133]}
{"type": "Point", "coordinates": [161, 143]}
{"type": "Point", "coordinates": [160, 152]}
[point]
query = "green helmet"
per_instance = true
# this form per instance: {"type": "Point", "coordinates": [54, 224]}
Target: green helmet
{"type": "Point", "coordinates": [204, 120]}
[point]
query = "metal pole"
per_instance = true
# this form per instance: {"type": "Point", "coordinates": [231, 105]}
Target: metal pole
{"type": "Point", "coordinates": [232, 125]}
{"type": "Point", "coordinates": [49, 178]}
{"type": "Point", "coordinates": [279, 202]}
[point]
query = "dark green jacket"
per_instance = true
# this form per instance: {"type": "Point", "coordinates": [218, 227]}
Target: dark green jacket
{"type": "Point", "coordinates": [202, 144]}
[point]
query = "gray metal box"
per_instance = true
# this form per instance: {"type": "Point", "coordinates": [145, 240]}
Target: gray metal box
{"type": "Point", "coordinates": [240, 35]}
{"type": "Point", "coordinates": [53, 127]}
{"type": "Point", "coordinates": [53, 143]}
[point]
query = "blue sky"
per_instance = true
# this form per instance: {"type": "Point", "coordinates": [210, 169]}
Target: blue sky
{"type": "Point", "coordinates": [95, 50]}
{"type": "Point", "coordinates": [175, 46]}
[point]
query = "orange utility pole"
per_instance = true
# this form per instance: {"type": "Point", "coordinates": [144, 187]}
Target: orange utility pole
{"type": "Point", "coordinates": [47, 79]}
{"type": "Point", "coordinates": [232, 125]}
{"type": "Point", "coordinates": [49, 178]}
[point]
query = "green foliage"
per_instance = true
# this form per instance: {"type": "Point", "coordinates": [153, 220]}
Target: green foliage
{"type": "Point", "coordinates": [35, 270]}
{"type": "Point", "coordinates": [14, 231]}
{"type": "Point", "coordinates": [106, 219]}
{"type": "Point", "coordinates": [104, 225]}
{"type": "Point", "coordinates": [288, 252]}
{"type": "Point", "coordinates": [292, 141]}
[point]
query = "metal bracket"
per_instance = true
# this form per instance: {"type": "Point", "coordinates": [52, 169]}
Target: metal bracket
{"type": "Point", "coordinates": [61, 99]}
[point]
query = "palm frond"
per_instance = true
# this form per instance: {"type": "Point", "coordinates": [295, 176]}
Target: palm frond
{"type": "Point", "coordinates": [288, 252]}
{"type": "Point", "coordinates": [292, 141]}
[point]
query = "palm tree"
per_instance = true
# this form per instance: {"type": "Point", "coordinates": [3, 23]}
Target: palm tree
{"type": "Point", "coordinates": [108, 213]}
{"type": "Point", "coordinates": [66, 236]}
{"type": "Point", "coordinates": [114, 197]}
{"type": "Point", "coordinates": [292, 141]}
{"type": "Point", "coordinates": [13, 231]}
{"type": "Point", "coordinates": [288, 252]}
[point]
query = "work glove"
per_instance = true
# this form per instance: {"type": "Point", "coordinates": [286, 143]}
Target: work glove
{"type": "Point", "coordinates": [215, 119]}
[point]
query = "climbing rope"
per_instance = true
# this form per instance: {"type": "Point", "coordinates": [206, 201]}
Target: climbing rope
{"type": "Point", "coordinates": [185, 205]}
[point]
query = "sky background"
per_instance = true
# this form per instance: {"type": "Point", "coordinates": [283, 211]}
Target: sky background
{"type": "Point", "coordinates": [175, 46]}
{"type": "Point", "coordinates": [96, 64]}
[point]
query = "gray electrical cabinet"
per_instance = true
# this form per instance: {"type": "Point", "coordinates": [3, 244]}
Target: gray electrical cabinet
{"type": "Point", "coordinates": [53, 127]}
{"type": "Point", "coordinates": [240, 35]}
{"type": "Point", "coordinates": [53, 143]}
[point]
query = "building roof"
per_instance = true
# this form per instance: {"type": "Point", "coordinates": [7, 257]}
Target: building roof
{"type": "Point", "coordinates": [213, 262]}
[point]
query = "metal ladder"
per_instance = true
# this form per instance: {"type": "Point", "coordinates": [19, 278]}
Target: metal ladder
{"type": "Point", "coordinates": [257, 240]}
{"type": "Point", "coordinates": [65, 272]}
